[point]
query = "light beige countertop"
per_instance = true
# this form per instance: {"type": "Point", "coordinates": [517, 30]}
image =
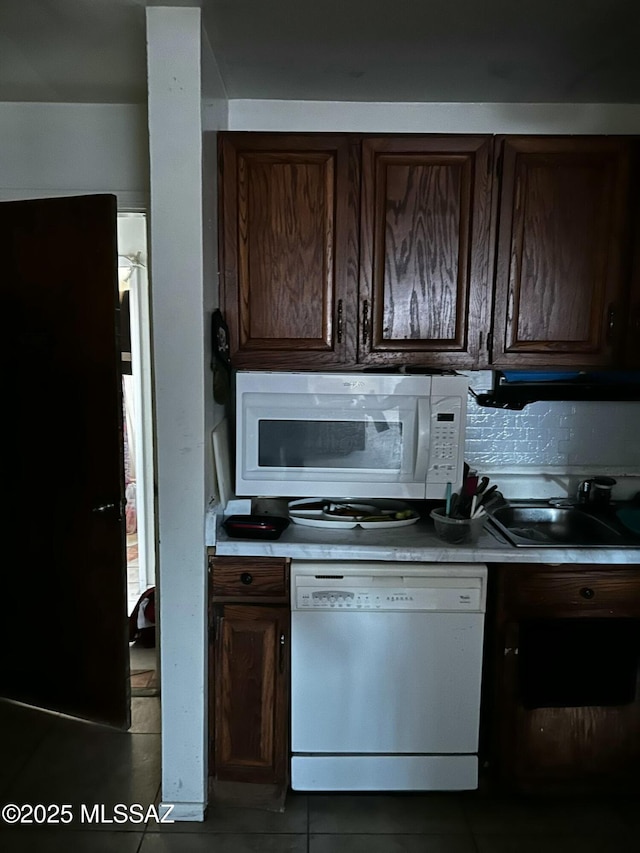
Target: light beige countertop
{"type": "Point", "coordinates": [416, 543]}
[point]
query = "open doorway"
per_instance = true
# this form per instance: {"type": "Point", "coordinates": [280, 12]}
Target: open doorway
{"type": "Point", "coordinates": [138, 450]}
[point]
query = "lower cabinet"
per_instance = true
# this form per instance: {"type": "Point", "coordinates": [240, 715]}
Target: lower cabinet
{"type": "Point", "coordinates": [249, 670]}
{"type": "Point", "coordinates": [564, 677]}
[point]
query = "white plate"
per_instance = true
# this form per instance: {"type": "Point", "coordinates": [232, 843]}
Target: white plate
{"type": "Point", "coordinates": [349, 523]}
{"type": "Point", "coordinates": [296, 508]}
{"type": "Point", "coordinates": [393, 522]}
{"type": "Point", "coordinates": [311, 521]}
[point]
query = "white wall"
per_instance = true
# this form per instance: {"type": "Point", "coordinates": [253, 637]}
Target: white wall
{"type": "Point", "coordinates": [176, 249]}
{"type": "Point", "coordinates": [345, 116]}
{"type": "Point", "coordinates": [74, 149]}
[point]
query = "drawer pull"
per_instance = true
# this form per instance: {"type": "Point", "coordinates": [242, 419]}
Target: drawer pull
{"type": "Point", "coordinates": [246, 578]}
{"type": "Point", "coordinates": [587, 592]}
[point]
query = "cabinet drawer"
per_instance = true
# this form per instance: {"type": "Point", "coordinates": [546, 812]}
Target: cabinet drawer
{"type": "Point", "coordinates": [248, 577]}
{"type": "Point", "coordinates": [603, 591]}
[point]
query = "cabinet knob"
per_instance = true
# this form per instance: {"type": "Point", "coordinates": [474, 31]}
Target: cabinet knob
{"type": "Point", "coordinates": [246, 578]}
{"type": "Point", "coordinates": [587, 592]}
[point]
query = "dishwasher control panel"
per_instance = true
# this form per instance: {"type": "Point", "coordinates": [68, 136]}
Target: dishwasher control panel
{"type": "Point", "coordinates": [400, 598]}
{"type": "Point", "coordinates": [351, 586]}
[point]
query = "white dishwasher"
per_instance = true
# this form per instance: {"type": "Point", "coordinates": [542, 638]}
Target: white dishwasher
{"type": "Point", "coordinates": [386, 662]}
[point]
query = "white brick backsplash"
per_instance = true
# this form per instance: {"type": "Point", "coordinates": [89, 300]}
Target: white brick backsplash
{"type": "Point", "coordinates": [577, 438]}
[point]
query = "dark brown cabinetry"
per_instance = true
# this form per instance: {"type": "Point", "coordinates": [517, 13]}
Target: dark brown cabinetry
{"type": "Point", "coordinates": [343, 250]}
{"type": "Point", "coordinates": [249, 670]}
{"type": "Point", "coordinates": [564, 705]}
{"type": "Point", "coordinates": [319, 270]}
{"type": "Point", "coordinates": [289, 254]}
{"type": "Point", "coordinates": [562, 254]}
{"type": "Point", "coordinates": [424, 259]}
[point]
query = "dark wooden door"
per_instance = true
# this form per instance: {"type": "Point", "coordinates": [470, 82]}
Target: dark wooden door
{"type": "Point", "coordinates": [562, 252]}
{"type": "Point", "coordinates": [251, 671]}
{"type": "Point", "coordinates": [289, 248]}
{"type": "Point", "coordinates": [63, 622]}
{"type": "Point", "coordinates": [425, 249]}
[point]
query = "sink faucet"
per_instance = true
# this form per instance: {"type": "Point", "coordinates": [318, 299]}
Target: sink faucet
{"type": "Point", "coordinates": [583, 492]}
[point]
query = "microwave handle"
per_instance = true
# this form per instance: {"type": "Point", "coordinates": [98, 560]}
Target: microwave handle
{"type": "Point", "coordinates": [424, 440]}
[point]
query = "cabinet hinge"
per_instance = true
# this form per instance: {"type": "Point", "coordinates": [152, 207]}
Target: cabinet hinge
{"type": "Point", "coordinates": [212, 629]}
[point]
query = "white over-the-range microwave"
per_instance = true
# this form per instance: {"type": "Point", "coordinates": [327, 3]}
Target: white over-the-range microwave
{"type": "Point", "coordinates": [349, 435]}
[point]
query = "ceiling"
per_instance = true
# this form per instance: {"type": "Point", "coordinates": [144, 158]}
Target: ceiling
{"type": "Point", "coordinates": [563, 51]}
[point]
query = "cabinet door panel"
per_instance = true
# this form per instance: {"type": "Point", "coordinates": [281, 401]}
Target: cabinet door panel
{"type": "Point", "coordinates": [632, 347]}
{"type": "Point", "coordinates": [562, 246]}
{"type": "Point", "coordinates": [250, 694]}
{"type": "Point", "coordinates": [544, 740]}
{"type": "Point", "coordinates": [425, 249]}
{"type": "Point", "coordinates": [289, 214]}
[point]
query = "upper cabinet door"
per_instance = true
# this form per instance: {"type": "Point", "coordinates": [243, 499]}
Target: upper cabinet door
{"type": "Point", "coordinates": [562, 252]}
{"type": "Point", "coordinates": [289, 210]}
{"type": "Point", "coordinates": [425, 249]}
{"type": "Point", "coordinates": [632, 349]}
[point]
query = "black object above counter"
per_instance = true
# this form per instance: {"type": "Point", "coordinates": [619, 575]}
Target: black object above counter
{"type": "Point", "coordinates": [515, 389]}
{"type": "Point", "coordinates": [255, 526]}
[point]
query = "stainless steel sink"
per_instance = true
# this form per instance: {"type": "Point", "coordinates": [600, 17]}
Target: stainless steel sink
{"type": "Point", "coordinates": [539, 525]}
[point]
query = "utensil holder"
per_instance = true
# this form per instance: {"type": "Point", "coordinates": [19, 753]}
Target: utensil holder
{"type": "Point", "coordinates": [457, 531]}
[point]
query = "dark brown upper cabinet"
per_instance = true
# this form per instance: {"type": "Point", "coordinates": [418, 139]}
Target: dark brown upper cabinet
{"type": "Point", "coordinates": [425, 249]}
{"type": "Point", "coordinates": [562, 252]}
{"type": "Point", "coordinates": [461, 251]}
{"type": "Point", "coordinates": [289, 253]}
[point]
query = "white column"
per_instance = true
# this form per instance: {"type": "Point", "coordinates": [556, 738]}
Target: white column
{"type": "Point", "coordinates": [176, 228]}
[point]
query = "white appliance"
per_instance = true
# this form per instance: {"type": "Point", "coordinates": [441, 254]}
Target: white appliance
{"type": "Point", "coordinates": [386, 663]}
{"type": "Point", "coordinates": [350, 435]}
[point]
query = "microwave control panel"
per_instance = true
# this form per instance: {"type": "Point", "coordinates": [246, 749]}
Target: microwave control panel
{"type": "Point", "coordinates": [447, 439]}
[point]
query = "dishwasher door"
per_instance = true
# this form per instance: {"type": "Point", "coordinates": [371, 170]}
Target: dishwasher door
{"type": "Point", "coordinates": [390, 682]}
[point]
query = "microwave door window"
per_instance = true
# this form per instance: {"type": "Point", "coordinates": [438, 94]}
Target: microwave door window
{"type": "Point", "coordinates": [360, 445]}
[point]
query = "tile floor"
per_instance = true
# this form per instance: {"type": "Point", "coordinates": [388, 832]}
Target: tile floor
{"type": "Point", "coordinates": [143, 665]}
{"type": "Point", "coordinates": [45, 758]}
